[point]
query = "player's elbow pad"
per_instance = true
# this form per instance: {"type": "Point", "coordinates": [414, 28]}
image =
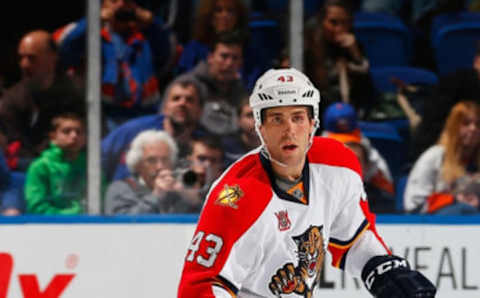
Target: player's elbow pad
{"type": "Point", "coordinates": [391, 277]}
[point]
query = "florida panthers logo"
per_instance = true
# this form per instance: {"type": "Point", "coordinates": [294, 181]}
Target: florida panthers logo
{"type": "Point", "coordinates": [301, 279]}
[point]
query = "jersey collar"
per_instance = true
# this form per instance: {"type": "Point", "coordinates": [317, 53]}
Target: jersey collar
{"type": "Point", "coordinates": [281, 193]}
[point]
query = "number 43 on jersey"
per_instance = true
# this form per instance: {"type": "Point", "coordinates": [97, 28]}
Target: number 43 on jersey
{"type": "Point", "coordinates": [213, 246]}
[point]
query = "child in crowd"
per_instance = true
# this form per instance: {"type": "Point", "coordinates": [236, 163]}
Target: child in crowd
{"type": "Point", "coordinates": [56, 181]}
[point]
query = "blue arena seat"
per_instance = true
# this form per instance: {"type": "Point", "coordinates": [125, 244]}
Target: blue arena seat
{"type": "Point", "coordinates": [265, 44]}
{"type": "Point", "coordinates": [267, 33]}
{"type": "Point", "coordinates": [455, 46]}
{"type": "Point", "coordinates": [382, 77]}
{"type": "Point", "coordinates": [454, 40]}
{"type": "Point", "coordinates": [382, 80]}
{"type": "Point", "coordinates": [388, 142]}
{"type": "Point", "coordinates": [385, 38]}
{"type": "Point", "coordinates": [451, 18]}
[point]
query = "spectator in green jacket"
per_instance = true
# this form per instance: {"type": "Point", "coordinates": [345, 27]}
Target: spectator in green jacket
{"type": "Point", "coordinates": [56, 181]}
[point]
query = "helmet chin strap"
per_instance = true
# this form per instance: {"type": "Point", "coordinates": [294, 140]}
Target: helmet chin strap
{"type": "Point", "coordinates": [264, 150]}
{"type": "Point", "coordinates": [268, 156]}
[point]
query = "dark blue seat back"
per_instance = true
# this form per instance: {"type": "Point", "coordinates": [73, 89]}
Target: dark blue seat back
{"type": "Point", "coordinates": [385, 39]}
{"type": "Point", "coordinates": [452, 18]}
{"type": "Point", "coordinates": [388, 142]}
{"type": "Point", "coordinates": [264, 46]}
{"type": "Point", "coordinates": [382, 80]}
{"type": "Point", "coordinates": [455, 46]}
{"type": "Point", "coordinates": [267, 34]}
{"type": "Point", "coordinates": [382, 76]}
{"type": "Point", "coordinates": [454, 39]}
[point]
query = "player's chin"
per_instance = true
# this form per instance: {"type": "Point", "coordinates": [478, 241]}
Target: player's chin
{"type": "Point", "coordinates": [290, 159]}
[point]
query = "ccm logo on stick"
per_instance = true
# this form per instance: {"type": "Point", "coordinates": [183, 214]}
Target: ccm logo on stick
{"type": "Point", "coordinates": [29, 282]}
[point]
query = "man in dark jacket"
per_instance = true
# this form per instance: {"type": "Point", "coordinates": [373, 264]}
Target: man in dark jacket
{"type": "Point", "coordinates": [26, 107]}
{"type": "Point", "coordinates": [220, 75]}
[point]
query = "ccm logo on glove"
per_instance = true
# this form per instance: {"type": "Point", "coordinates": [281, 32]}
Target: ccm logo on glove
{"type": "Point", "coordinates": [382, 268]}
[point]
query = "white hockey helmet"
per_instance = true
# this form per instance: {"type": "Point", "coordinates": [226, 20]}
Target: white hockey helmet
{"type": "Point", "coordinates": [283, 87]}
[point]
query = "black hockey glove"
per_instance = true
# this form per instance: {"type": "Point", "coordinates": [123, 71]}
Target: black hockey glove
{"type": "Point", "coordinates": [391, 277]}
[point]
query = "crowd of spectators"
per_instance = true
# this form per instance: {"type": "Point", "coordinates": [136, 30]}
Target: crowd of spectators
{"type": "Point", "coordinates": [175, 108]}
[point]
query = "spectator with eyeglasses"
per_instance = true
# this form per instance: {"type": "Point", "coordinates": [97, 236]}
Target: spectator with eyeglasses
{"type": "Point", "coordinates": [152, 188]}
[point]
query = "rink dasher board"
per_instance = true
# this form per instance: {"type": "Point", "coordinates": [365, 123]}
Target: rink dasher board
{"type": "Point", "coordinates": [143, 256]}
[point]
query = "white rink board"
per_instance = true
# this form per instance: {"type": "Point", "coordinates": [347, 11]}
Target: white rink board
{"type": "Point", "coordinates": [145, 260]}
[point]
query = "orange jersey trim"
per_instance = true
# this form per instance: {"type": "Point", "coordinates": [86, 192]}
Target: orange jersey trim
{"type": "Point", "coordinates": [299, 186]}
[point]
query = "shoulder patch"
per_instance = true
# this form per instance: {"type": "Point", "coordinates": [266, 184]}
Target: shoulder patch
{"type": "Point", "coordinates": [244, 189]}
{"type": "Point", "coordinates": [229, 196]}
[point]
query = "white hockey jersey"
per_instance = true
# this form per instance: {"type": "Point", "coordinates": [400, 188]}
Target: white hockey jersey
{"type": "Point", "coordinates": [255, 240]}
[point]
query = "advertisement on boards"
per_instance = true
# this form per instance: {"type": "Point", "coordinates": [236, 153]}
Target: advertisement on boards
{"type": "Point", "coordinates": [145, 260]}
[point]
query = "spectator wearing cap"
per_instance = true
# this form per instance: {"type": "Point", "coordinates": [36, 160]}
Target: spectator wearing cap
{"type": "Point", "coordinates": [340, 120]}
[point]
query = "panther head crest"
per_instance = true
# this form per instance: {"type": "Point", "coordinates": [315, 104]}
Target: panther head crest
{"type": "Point", "coordinates": [310, 253]}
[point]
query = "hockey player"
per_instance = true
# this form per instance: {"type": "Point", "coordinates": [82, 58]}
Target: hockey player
{"type": "Point", "coordinates": [269, 219]}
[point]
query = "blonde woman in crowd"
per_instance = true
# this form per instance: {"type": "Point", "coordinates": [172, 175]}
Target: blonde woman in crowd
{"type": "Point", "coordinates": [435, 183]}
